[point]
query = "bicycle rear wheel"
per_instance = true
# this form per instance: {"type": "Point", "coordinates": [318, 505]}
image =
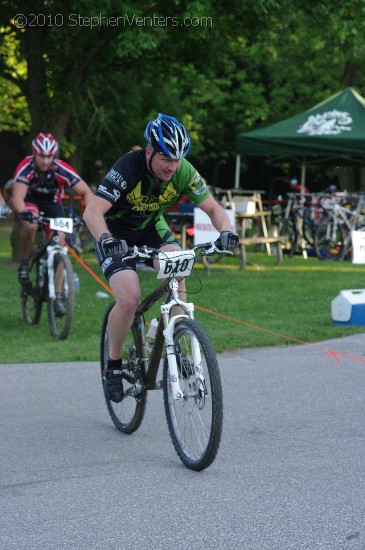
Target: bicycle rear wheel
{"type": "Point", "coordinates": [31, 295]}
{"type": "Point", "coordinates": [195, 421]}
{"type": "Point", "coordinates": [59, 325]}
{"type": "Point", "coordinates": [127, 415]}
{"type": "Point", "coordinates": [330, 240]}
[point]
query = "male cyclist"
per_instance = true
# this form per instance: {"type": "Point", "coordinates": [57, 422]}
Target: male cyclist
{"type": "Point", "coordinates": [129, 204]}
{"type": "Point", "coordinates": [39, 182]}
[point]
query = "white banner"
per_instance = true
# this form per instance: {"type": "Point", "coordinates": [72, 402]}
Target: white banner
{"type": "Point", "coordinates": [204, 231]}
{"type": "Point", "coordinates": [358, 247]}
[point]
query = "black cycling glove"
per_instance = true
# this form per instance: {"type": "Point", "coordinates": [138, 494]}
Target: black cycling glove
{"type": "Point", "coordinates": [228, 239]}
{"type": "Point", "coordinates": [114, 247]}
{"type": "Point", "coordinates": [26, 216]}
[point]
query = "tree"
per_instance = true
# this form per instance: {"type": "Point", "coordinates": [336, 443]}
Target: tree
{"type": "Point", "coordinates": [95, 76]}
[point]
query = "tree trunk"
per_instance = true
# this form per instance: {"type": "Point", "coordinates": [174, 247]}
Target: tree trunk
{"type": "Point", "coordinates": [14, 240]}
{"type": "Point", "coordinates": [36, 85]}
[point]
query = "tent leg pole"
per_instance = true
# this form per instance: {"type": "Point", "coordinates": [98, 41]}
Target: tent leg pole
{"type": "Point", "coordinates": [302, 183]}
{"type": "Point", "coordinates": [237, 174]}
{"type": "Point", "coordinates": [302, 177]}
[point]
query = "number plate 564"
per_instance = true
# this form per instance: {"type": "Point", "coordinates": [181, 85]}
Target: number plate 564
{"type": "Point", "coordinates": [61, 224]}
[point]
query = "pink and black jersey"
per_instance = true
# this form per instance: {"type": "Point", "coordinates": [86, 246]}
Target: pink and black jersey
{"type": "Point", "coordinates": [48, 187]}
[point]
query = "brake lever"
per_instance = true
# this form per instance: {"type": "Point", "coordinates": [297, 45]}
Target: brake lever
{"type": "Point", "coordinates": [132, 253]}
{"type": "Point", "coordinates": [136, 252]}
{"type": "Point", "coordinates": [211, 250]}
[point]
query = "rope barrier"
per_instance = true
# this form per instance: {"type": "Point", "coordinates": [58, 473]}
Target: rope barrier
{"type": "Point", "coordinates": [330, 353]}
{"type": "Point", "coordinates": [89, 270]}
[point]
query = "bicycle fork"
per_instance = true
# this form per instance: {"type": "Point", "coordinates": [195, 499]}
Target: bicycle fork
{"type": "Point", "coordinates": [168, 332]}
{"type": "Point", "coordinates": [52, 250]}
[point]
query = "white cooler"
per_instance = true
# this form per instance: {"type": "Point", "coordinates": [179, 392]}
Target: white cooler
{"type": "Point", "coordinates": [348, 308]}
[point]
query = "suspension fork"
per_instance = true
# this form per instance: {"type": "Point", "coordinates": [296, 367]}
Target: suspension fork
{"type": "Point", "coordinates": [52, 250]}
{"type": "Point", "coordinates": [168, 333]}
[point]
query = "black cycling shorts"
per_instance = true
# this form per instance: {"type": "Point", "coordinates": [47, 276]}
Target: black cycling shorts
{"type": "Point", "coordinates": [48, 209]}
{"type": "Point", "coordinates": [155, 237]}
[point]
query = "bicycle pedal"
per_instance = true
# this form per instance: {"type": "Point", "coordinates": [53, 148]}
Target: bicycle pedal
{"type": "Point", "coordinates": [129, 377]}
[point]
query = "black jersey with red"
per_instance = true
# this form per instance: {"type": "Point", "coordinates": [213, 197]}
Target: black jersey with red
{"type": "Point", "coordinates": [48, 187]}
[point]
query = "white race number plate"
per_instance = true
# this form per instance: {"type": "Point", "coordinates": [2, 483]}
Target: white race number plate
{"type": "Point", "coordinates": [61, 224]}
{"type": "Point", "coordinates": [177, 262]}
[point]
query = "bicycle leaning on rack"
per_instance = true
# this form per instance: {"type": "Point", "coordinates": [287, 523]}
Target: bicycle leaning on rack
{"type": "Point", "coordinates": [343, 215]}
{"type": "Point", "coordinates": [49, 269]}
{"type": "Point", "coordinates": [298, 224]}
{"type": "Point", "coordinates": [190, 376]}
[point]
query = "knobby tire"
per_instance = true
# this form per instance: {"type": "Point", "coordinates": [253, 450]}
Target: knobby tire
{"type": "Point", "coordinates": [60, 326]}
{"type": "Point", "coordinates": [194, 421]}
{"type": "Point", "coordinates": [127, 415]}
{"type": "Point", "coordinates": [31, 295]}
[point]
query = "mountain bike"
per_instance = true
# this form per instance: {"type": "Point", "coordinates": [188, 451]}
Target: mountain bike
{"type": "Point", "coordinates": [49, 267]}
{"type": "Point", "coordinates": [190, 381]}
{"type": "Point", "coordinates": [300, 221]}
{"type": "Point", "coordinates": [343, 214]}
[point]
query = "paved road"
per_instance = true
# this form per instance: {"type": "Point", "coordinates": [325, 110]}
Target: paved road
{"type": "Point", "coordinates": [290, 473]}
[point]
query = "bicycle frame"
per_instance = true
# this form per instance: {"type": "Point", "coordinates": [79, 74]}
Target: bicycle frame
{"type": "Point", "coordinates": [50, 249]}
{"type": "Point", "coordinates": [53, 249]}
{"type": "Point", "coordinates": [164, 335]}
{"type": "Point", "coordinates": [298, 207]}
{"type": "Point", "coordinates": [342, 215]}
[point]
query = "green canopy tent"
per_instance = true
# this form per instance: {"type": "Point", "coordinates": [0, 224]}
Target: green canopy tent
{"type": "Point", "coordinates": [333, 128]}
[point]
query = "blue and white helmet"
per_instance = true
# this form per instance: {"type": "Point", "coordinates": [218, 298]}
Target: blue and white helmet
{"type": "Point", "coordinates": [168, 136]}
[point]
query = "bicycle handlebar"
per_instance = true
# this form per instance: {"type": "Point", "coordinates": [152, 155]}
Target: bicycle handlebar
{"type": "Point", "coordinates": [148, 253]}
{"type": "Point", "coordinates": [43, 220]}
{"type": "Point", "coordinates": [213, 247]}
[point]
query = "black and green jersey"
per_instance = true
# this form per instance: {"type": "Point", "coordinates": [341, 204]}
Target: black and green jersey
{"type": "Point", "coordinates": [137, 201]}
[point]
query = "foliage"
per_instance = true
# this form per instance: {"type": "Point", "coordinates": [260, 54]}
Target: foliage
{"type": "Point", "coordinates": [14, 112]}
{"type": "Point", "coordinates": [95, 76]}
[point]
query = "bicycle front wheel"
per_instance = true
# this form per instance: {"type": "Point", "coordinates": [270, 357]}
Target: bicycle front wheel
{"type": "Point", "coordinates": [289, 233]}
{"type": "Point", "coordinates": [194, 421]}
{"type": "Point", "coordinates": [60, 311]}
{"type": "Point", "coordinates": [127, 415]}
{"type": "Point", "coordinates": [31, 295]}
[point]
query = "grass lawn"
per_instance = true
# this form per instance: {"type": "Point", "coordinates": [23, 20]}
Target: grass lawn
{"type": "Point", "coordinates": [254, 307]}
